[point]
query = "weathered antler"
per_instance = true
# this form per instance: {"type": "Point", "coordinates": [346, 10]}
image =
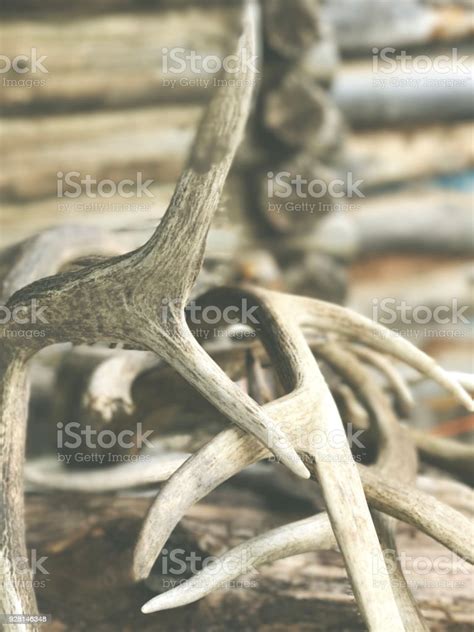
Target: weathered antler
{"type": "Point", "coordinates": [301, 412]}
{"type": "Point", "coordinates": [121, 299]}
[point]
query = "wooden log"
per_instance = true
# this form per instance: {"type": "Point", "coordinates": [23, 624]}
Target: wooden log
{"type": "Point", "coordinates": [107, 145]}
{"type": "Point", "coordinates": [115, 60]}
{"type": "Point", "coordinates": [300, 114]}
{"type": "Point", "coordinates": [425, 221]}
{"type": "Point", "coordinates": [116, 145]}
{"type": "Point", "coordinates": [360, 25]}
{"type": "Point", "coordinates": [387, 156]}
{"type": "Point", "coordinates": [88, 542]}
{"type": "Point", "coordinates": [392, 94]}
{"type": "Point", "coordinates": [291, 32]}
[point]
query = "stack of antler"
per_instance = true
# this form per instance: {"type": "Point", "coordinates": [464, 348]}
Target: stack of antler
{"type": "Point", "coordinates": [119, 300]}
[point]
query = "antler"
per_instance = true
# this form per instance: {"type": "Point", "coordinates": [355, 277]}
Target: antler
{"type": "Point", "coordinates": [120, 300]}
{"type": "Point", "coordinates": [300, 413]}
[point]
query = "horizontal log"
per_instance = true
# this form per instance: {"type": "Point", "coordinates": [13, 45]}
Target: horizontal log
{"type": "Point", "coordinates": [114, 60]}
{"type": "Point", "coordinates": [360, 25]}
{"type": "Point", "coordinates": [388, 156]}
{"type": "Point", "coordinates": [118, 61]}
{"type": "Point", "coordinates": [154, 142]}
{"type": "Point", "coordinates": [113, 145]}
{"type": "Point", "coordinates": [421, 221]}
{"type": "Point", "coordinates": [88, 542]}
{"type": "Point", "coordinates": [375, 94]}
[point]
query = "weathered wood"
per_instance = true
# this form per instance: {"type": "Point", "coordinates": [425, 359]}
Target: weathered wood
{"type": "Point", "coordinates": [91, 535]}
{"type": "Point", "coordinates": [370, 97]}
{"type": "Point", "coordinates": [39, 149]}
{"type": "Point", "coordinates": [114, 60]}
{"type": "Point", "coordinates": [388, 156]}
{"type": "Point", "coordinates": [360, 25]}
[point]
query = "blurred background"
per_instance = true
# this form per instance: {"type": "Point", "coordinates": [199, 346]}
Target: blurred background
{"type": "Point", "coordinates": [374, 94]}
{"type": "Point", "coordinates": [354, 182]}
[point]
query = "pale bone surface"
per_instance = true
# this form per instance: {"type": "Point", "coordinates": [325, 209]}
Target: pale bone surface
{"type": "Point", "coordinates": [117, 300]}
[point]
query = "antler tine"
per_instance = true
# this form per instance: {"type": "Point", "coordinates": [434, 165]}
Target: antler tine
{"type": "Point", "coordinates": [392, 499]}
{"type": "Point", "coordinates": [442, 523]}
{"type": "Point", "coordinates": [452, 456]}
{"type": "Point", "coordinates": [414, 507]}
{"type": "Point", "coordinates": [183, 230]}
{"type": "Point", "coordinates": [396, 457]}
{"type": "Point", "coordinates": [327, 317]}
{"type": "Point", "coordinates": [394, 378]}
{"type": "Point", "coordinates": [51, 475]}
{"type": "Point", "coordinates": [396, 453]}
{"type": "Point", "coordinates": [183, 353]}
{"type": "Point", "coordinates": [41, 255]}
{"type": "Point", "coordinates": [304, 536]}
{"type": "Point", "coordinates": [348, 511]}
{"type": "Point", "coordinates": [227, 454]}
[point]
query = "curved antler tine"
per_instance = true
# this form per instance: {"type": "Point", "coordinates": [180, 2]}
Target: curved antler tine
{"type": "Point", "coordinates": [355, 410]}
{"type": "Point", "coordinates": [186, 355]}
{"type": "Point", "coordinates": [465, 379]}
{"type": "Point", "coordinates": [455, 457]}
{"type": "Point", "coordinates": [442, 523]}
{"type": "Point", "coordinates": [50, 474]}
{"type": "Point", "coordinates": [396, 454]}
{"type": "Point", "coordinates": [224, 456]}
{"type": "Point", "coordinates": [310, 534]}
{"type": "Point", "coordinates": [394, 378]}
{"type": "Point", "coordinates": [43, 254]}
{"type": "Point", "coordinates": [16, 595]}
{"type": "Point", "coordinates": [348, 324]}
{"type": "Point", "coordinates": [110, 383]}
{"type": "Point", "coordinates": [183, 230]}
{"type": "Point", "coordinates": [411, 614]}
{"type": "Point", "coordinates": [340, 483]}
